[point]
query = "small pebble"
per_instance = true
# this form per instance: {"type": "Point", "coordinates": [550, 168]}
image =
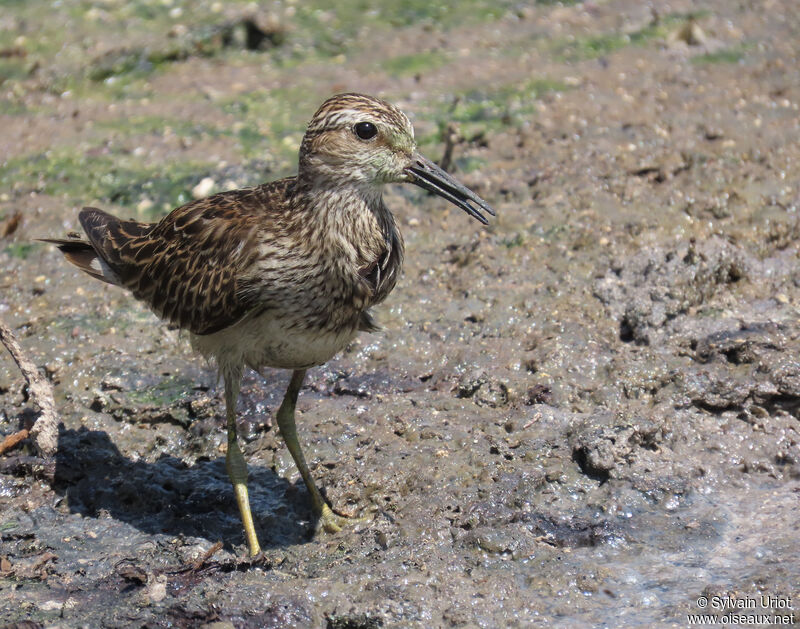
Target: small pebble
{"type": "Point", "coordinates": [203, 188]}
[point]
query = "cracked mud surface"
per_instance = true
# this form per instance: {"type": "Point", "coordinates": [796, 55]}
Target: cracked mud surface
{"type": "Point", "coordinates": [587, 414]}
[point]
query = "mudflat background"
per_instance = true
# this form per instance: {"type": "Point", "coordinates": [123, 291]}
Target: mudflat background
{"type": "Point", "coordinates": [585, 414]}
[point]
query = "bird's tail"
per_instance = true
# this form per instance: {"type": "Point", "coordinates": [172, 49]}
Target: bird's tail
{"type": "Point", "coordinates": [89, 255]}
{"type": "Point", "coordinates": [83, 255]}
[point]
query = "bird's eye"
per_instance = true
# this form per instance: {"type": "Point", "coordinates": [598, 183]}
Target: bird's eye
{"type": "Point", "coordinates": [365, 130]}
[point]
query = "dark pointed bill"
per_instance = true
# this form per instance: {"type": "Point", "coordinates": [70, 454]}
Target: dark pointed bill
{"type": "Point", "coordinates": [429, 176]}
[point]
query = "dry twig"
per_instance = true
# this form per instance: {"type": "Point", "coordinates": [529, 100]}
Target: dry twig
{"type": "Point", "coordinates": [206, 556]}
{"type": "Point", "coordinates": [45, 429]}
{"type": "Point", "coordinates": [11, 440]}
{"type": "Point", "coordinates": [451, 138]}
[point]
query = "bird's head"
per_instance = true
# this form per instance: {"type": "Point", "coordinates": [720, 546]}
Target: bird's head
{"type": "Point", "coordinates": [363, 141]}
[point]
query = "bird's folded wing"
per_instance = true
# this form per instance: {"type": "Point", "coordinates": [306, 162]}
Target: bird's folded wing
{"type": "Point", "coordinates": [188, 268]}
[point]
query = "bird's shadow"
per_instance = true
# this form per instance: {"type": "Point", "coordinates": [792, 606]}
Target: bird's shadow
{"type": "Point", "coordinates": [169, 497]}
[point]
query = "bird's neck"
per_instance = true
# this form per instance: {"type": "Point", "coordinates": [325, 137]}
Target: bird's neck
{"type": "Point", "coordinates": [346, 206]}
{"type": "Point", "coordinates": [348, 219]}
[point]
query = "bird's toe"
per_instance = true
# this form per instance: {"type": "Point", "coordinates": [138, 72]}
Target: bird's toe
{"type": "Point", "coordinates": [332, 522]}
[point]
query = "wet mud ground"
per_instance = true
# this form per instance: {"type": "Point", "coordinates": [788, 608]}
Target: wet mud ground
{"type": "Point", "coordinates": [585, 414]}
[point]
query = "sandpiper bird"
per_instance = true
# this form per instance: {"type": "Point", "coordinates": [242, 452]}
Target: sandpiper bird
{"type": "Point", "coordinates": [283, 274]}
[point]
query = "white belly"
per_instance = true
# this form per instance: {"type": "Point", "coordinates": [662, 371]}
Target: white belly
{"type": "Point", "coordinates": [268, 342]}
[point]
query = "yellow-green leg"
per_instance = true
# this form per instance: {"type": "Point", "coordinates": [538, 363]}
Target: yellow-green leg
{"type": "Point", "coordinates": [328, 520]}
{"type": "Point", "coordinates": [234, 461]}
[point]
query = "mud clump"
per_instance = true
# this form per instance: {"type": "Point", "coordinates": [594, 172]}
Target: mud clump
{"type": "Point", "coordinates": [483, 390]}
{"type": "Point", "coordinates": [653, 288]}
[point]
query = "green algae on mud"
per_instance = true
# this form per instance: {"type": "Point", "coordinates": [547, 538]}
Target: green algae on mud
{"type": "Point", "coordinates": [414, 63]}
{"type": "Point", "coordinates": [118, 179]}
{"type": "Point", "coordinates": [732, 54]}
{"type": "Point", "coordinates": [273, 118]}
{"type": "Point", "coordinates": [20, 250]}
{"type": "Point", "coordinates": [595, 46]}
{"type": "Point", "coordinates": [122, 73]}
{"type": "Point", "coordinates": [478, 112]}
{"type": "Point", "coordinates": [314, 31]}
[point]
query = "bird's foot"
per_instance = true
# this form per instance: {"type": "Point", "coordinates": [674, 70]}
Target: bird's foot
{"type": "Point", "coordinates": [331, 521]}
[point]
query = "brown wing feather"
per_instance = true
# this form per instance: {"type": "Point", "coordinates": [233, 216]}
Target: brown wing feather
{"type": "Point", "coordinates": [188, 267]}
